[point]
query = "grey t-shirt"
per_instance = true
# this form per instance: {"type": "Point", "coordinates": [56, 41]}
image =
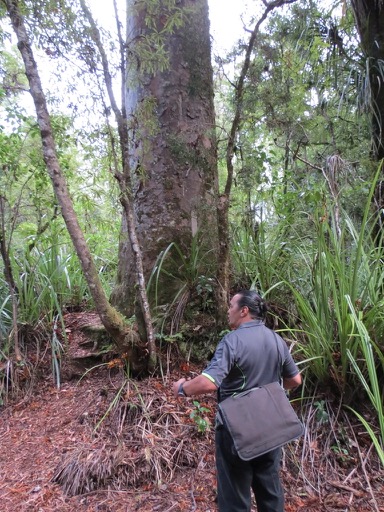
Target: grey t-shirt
{"type": "Point", "coordinates": [248, 357]}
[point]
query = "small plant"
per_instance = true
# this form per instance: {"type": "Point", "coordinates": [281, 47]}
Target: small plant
{"type": "Point", "coordinates": [169, 338]}
{"type": "Point", "coordinates": [57, 350]}
{"type": "Point", "coordinates": [342, 453]}
{"type": "Point", "coordinates": [205, 289]}
{"type": "Point", "coordinates": [322, 415]}
{"type": "Point", "coordinates": [342, 449]}
{"type": "Point", "coordinates": [198, 415]}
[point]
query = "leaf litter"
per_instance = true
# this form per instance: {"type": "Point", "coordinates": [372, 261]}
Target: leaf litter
{"type": "Point", "coordinates": [79, 449]}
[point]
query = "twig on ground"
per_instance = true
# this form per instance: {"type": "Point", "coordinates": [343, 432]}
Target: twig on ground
{"type": "Point", "coordinates": [339, 485]}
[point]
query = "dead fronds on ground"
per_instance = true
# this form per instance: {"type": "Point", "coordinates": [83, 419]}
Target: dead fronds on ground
{"type": "Point", "coordinates": [144, 438]}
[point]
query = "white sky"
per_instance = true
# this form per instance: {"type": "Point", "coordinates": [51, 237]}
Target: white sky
{"type": "Point", "coordinates": [226, 22]}
{"type": "Point", "coordinates": [224, 16]}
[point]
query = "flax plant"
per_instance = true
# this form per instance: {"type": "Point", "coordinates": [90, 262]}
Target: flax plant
{"type": "Point", "coordinates": [48, 281]}
{"type": "Point", "coordinates": [5, 314]}
{"type": "Point", "coordinates": [345, 269]}
{"type": "Point", "coordinates": [185, 272]}
{"type": "Point", "coordinates": [367, 367]}
{"type": "Point", "coordinates": [260, 256]}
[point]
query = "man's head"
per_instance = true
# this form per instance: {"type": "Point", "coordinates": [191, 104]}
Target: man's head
{"type": "Point", "coordinates": [245, 306]}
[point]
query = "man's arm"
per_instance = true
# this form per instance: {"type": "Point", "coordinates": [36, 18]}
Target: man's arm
{"type": "Point", "coordinates": [197, 386]}
{"type": "Point", "coordinates": [292, 382]}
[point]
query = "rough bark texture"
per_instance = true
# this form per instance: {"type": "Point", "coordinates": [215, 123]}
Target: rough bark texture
{"type": "Point", "coordinates": [174, 165]}
{"type": "Point", "coordinates": [369, 15]}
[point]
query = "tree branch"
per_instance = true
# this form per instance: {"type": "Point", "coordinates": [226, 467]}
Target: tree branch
{"type": "Point", "coordinates": [223, 205]}
{"type": "Point", "coordinates": [124, 178]}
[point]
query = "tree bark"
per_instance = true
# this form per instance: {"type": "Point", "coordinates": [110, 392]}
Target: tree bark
{"type": "Point", "coordinates": [369, 16]}
{"type": "Point", "coordinates": [172, 146]}
{"type": "Point", "coordinates": [123, 177]}
{"type": "Point", "coordinates": [112, 320]}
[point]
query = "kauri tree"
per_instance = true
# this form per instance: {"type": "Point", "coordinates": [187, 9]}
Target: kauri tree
{"type": "Point", "coordinates": [171, 123]}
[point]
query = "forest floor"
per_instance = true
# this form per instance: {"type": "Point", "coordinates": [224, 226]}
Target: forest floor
{"type": "Point", "coordinates": [147, 454]}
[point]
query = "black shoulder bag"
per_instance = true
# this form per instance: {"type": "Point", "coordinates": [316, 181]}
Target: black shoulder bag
{"type": "Point", "coordinates": [261, 419]}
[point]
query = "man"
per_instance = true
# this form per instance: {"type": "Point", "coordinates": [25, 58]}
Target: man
{"type": "Point", "coordinates": [245, 358]}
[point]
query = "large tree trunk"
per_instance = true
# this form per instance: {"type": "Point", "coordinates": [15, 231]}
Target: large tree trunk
{"type": "Point", "coordinates": [369, 15]}
{"type": "Point", "coordinates": [174, 163]}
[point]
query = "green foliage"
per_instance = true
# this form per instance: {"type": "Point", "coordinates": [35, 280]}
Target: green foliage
{"type": "Point", "coordinates": [322, 415]}
{"type": "Point", "coordinates": [297, 113]}
{"type": "Point", "coordinates": [344, 271]}
{"type": "Point", "coordinates": [199, 417]}
{"type": "Point", "coordinates": [368, 366]}
{"type": "Point", "coordinates": [161, 19]}
{"type": "Point", "coordinates": [169, 338]}
{"type": "Point", "coordinates": [45, 268]}
{"type": "Point", "coordinates": [340, 269]}
{"type": "Point", "coordinates": [13, 79]}
{"type": "Point", "coordinates": [56, 350]}
{"type": "Point", "coordinates": [261, 255]}
{"type": "Point", "coordinates": [302, 103]}
{"type": "Point", "coordinates": [48, 281]}
{"type": "Point", "coordinates": [185, 272]}
{"type": "Point", "coordinates": [375, 439]}
{"type": "Point", "coordinates": [147, 127]}
{"type": "Point", "coordinates": [5, 312]}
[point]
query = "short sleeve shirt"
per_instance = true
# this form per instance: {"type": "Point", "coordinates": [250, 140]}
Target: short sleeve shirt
{"type": "Point", "coordinates": [248, 357]}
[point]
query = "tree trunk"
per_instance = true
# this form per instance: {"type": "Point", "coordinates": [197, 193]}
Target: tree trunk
{"type": "Point", "coordinates": [111, 319]}
{"type": "Point", "coordinates": [173, 146]}
{"type": "Point", "coordinates": [123, 177]}
{"type": "Point", "coordinates": [369, 16]}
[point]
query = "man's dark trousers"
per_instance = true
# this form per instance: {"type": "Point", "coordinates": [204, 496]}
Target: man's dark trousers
{"type": "Point", "coordinates": [236, 477]}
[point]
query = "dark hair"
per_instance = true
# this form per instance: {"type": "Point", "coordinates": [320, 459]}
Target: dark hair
{"type": "Point", "coordinates": [257, 307]}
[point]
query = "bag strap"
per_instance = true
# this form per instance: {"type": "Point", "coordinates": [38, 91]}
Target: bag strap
{"type": "Point", "coordinates": [279, 358]}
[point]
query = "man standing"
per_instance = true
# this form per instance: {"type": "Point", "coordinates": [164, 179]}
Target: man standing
{"type": "Point", "coordinates": [245, 358]}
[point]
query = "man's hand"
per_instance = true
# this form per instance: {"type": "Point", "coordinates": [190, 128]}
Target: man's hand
{"type": "Point", "coordinates": [175, 387]}
{"type": "Point", "coordinates": [197, 386]}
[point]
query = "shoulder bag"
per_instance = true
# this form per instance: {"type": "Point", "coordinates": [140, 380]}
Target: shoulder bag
{"type": "Point", "coordinates": [260, 419]}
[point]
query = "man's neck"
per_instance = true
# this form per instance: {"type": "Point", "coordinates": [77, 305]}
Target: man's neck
{"type": "Point", "coordinates": [246, 319]}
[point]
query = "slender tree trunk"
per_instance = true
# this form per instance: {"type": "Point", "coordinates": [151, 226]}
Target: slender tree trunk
{"type": "Point", "coordinates": [124, 177]}
{"type": "Point", "coordinates": [223, 208]}
{"type": "Point", "coordinates": [111, 319]}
